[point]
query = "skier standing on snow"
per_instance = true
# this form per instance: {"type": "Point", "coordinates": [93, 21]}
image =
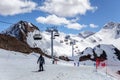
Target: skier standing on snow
{"type": "Point", "coordinates": [41, 61]}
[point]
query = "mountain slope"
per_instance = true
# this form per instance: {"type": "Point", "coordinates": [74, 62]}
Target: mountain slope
{"type": "Point", "coordinates": [107, 35]}
{"type": "Point", "coordinates": [89, 46]}
{"type": "Point", "coordinates": [107, 54]}
{"type": "Point", "coordinates": [11, 43]}
{"type": "Point", "coordinates": [114, 28]}
{"type": "Point", "coordinates": [102, 51]}
{"type": "Point", "coordinates": [20, 30]}
{"type": "Point", "coordinates": [85, 34]}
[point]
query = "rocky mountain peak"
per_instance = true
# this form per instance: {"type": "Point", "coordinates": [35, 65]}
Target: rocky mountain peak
{"type": "Point", "coordinates": [86, 34]}
{"type": "Point", "coordinates": [20, 30]}
{"type": "Point", "coordinates": [112, 29]}
{"type": "Point", "coordinates": [111, 25]}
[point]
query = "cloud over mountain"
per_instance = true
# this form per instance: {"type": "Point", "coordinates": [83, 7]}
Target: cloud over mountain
{"type": "Point", "coordinates": [93, 25]}
{"type": "Point", "coordinates": [67, 8]}
{"type": "Point", "coordinates": [55, 20]}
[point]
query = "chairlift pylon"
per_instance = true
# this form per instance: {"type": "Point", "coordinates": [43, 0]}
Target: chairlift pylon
{"type": "Point", "coordinates": [53, 37]}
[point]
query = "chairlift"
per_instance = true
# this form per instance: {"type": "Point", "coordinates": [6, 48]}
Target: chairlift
{"type": "Point", "coordinates": [76, 46]}
{"type": "Point", "coordinates": [71, 43]}
{"type": "Point", "coordinates": [67, 37]}
{"type": "Point", "coordinates": [37, 37]}
{"type": "Point", "coordinates": [66, 40]}
{"type": "Point", "coordinates": [61, 41]}
{"type": "Point", "coordinates": [56, 34]}
{"type": "Point", "coordinates": [66, 43]}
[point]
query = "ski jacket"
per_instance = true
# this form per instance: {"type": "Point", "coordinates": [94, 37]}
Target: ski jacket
{"type": "Point", "coordinates": [41, 60]}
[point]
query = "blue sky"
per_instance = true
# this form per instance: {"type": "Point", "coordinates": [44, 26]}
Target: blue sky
{"type": "Point", "coordinates": [70, 16]}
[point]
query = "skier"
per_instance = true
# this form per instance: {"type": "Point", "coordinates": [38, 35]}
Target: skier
{"type": "Point", "coordinates": [41, 61]}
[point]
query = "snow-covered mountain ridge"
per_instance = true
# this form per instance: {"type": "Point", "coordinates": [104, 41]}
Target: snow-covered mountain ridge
{"type": "Point", "coordinates": [109, 34]}
{"type": "Point", "coordinates": [114, 28]}
{"type": "Point", "coordinates": [104, 43]}
{"type": "Point", "coordinates": [104, 52]}
{"type": "Point", "coordinates": [86, 34]}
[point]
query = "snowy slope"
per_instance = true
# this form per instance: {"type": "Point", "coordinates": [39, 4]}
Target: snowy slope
{"type": "Point", "coordinates": [86, 34]}
{"type": "Point", "coordinates": [109, 34]}
{"type": "Point", "coordinates": [17, 66]}
{"type": "Point", "coordinates": [106, 53]}
{"type": "Point", "coordinates": [45, 45]}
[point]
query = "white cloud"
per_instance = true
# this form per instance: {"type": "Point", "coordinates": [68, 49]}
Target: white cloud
{"type": "Point", "coordinates": [75, 26]}
{"type": "Point", "coordinates": [55, 20]}
{"type": "Point", "coordinates": [93, 25]}
{"type": "Point", "coordinates": [75, 20]}
{"type": "Point", "coordinates": [67, 8]}
{"type": "Point", "coordinates": [12, 7]}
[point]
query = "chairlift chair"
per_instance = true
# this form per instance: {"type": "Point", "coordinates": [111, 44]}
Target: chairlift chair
{"type": "Point", "coordinates": [71, 43]}
{"type": "Point", "coordinates": [37, 37]}
{"type": "Point", "coordinates": [66, 43]}
{"type": "Point", "coordinates": [66, 40]}
{"type": "Point", "coordinates": [61, 41]}
{"type": "Point", "coordinates": [76, 46]}
{"type": "Point", "coordinates": [56, 34]}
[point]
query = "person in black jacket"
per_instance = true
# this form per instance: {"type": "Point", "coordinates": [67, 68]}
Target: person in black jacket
{"type": "Point", "coordinates": [41, 61]}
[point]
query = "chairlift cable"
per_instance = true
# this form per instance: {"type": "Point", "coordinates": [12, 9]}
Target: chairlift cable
{"type": "Point", "coordinates": [5, 22]}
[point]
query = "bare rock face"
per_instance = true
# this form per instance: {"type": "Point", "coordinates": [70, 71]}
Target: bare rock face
{"type": "Point", "coordinates": [20, 30]}
{"type": "Point", "coordinates": [11, 43]}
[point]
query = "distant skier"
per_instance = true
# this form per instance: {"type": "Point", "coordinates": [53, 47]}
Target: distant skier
{"type": "Point", "coordinates": [76, 61]}
{"type": "Point", "coordinates": [41, 61]}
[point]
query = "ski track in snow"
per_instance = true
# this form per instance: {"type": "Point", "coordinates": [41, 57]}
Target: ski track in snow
{"type": "Point", "coordinates": [16, 66]}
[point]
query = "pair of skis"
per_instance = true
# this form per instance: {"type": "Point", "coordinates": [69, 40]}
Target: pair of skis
{"type": "Point", "coordinates": [38, 71]}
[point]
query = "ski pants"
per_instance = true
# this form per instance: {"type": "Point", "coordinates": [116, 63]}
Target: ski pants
{"type": "Point", "coordinates": [41, 67]}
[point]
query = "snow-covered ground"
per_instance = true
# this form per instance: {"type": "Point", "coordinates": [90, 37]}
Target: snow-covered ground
{"type": "Point", "coordinates": [18, 66]}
